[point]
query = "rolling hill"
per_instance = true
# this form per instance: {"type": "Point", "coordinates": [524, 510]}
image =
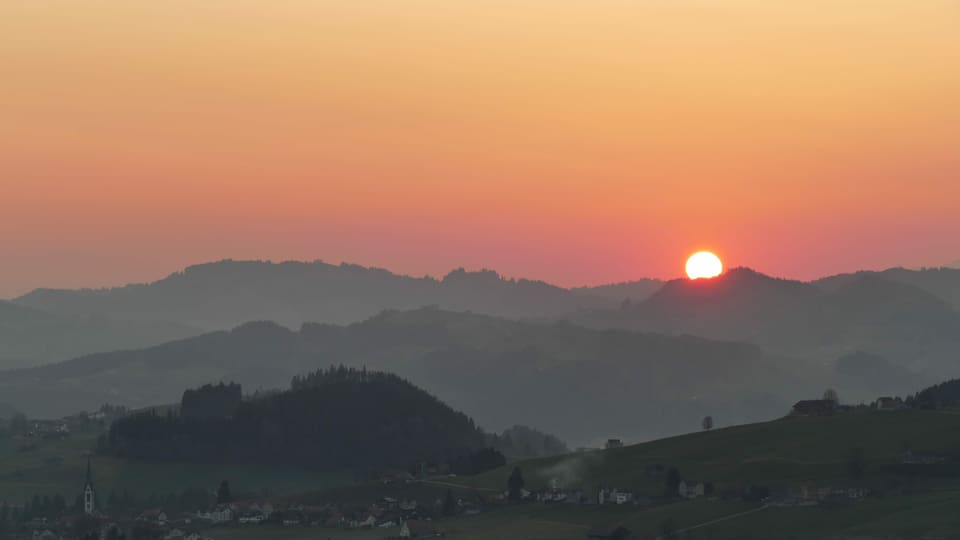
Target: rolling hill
{"type": "Point", "coordinates": [909, 326]}
{"type": "Point", "coordinates": [583, 385]}
{"type": "Point", "coordinates": [224, 294]}
{"type": "Point", "coordinates": [30, 336]}
{"type": "Point", "coordinates": [943, 283]}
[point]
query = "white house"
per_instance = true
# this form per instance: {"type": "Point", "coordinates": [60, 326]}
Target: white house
{"type": "Point", "coordinates": [690, 490]}
{"type": "Point", "coordinates": [220, 514]}
{"type": "Point", "coordinates": [614, 496]}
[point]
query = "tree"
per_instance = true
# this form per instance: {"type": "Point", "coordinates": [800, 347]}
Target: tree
{"type": "Point", "coordinates": [672, 482]}
{"type": "Point", "coordinates": [831, 395]}
{"type": "Point", "coordinates": [449, 505]}
{"type": "Point", "coordinates": [515, 484]}
{"type": "Point", "coordinates": [707, 423]}
{"type": "Point", "coordinates": [223, 493]}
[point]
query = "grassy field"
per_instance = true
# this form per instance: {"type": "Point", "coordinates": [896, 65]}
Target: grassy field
{"type": "Point", "coordinates": [59, 467]}
{"type": "Point", "coordinates": [784, 452]}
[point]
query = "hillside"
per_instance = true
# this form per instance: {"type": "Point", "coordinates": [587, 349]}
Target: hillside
{"type": "Point", "coordinates": [907, 325]}
{"type": "Point", "coordinates": [580, 384]}
{"type": "Point", "coordinates": [329, 420]}
{"type": "Point", "coordinates": [30, 337]}
{"type": "Point", "coordinates": [941, 282]}
{"type": "Point", "coordinates": [780, 454]}
{"type": "Point", "coordinates": [223, 294]}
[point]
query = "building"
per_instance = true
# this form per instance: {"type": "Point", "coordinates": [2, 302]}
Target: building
{"type": "Point", "coordinates": [614, 443]}
{"type": "Point", "coordinates": [889, 404]}
{"type": "Point", "coordinates": [614, 496]}
{"type": "Point", "coordinates": [89, 495]}
{"type": "Point", "coordinates": [814, 407]}
{"type": "Point", "coordinates": [691, 490]}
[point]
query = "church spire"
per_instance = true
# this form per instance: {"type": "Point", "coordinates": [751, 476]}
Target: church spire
{"type": "Point", "coordinates": [89, 497]}
{"type": "Point", "coordinates": [89, 473]}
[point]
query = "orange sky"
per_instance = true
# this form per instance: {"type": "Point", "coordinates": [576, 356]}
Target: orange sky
{"type": "Point", "coordinates": [573, 141]}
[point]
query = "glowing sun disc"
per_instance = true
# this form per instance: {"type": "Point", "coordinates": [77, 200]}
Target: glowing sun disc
{"type": "Point", "coordinates": [704, 264]}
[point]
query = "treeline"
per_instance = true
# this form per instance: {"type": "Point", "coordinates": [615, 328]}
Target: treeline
{"type": "Point", "coordinates": [330, 419]}
{"type": "Point", "coordinates": [522, 442]}
{"type": "Point", "coordinates": [939, 396]}
{"type": "Point", "coordinates": [211, 401]}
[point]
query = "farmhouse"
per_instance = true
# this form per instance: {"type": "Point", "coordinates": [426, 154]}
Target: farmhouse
{"type": "Point", "coordinates": [814, 407]}
{"type": "Point", "coordinates": [889, 404]}
{"type": "Point", "coordinates": [691, 490]}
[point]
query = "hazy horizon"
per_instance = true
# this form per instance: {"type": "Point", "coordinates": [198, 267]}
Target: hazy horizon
{"type": "Point", "coordinates": [154, 276]}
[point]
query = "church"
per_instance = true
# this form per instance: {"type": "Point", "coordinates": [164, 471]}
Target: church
{"type": "Point", "coordinates": [89, 495]}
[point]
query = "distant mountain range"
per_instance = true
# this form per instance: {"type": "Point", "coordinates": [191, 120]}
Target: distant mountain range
{"type": "Point", "coordinates": [819, 322]}
{"type": "Point", "coordinates": [224, 294]}
{"type": "Point", "coordinates": [30, 337]}
{"type": "Point", "coordinates": [584, 385]}
{"type": "Point", "coordinates": [48, 325]}
{"type": "Point", "coordinates": [505, 351]}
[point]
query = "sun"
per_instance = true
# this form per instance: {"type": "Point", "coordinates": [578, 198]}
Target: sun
{"type": "Point", "coordinates": [704, 264]}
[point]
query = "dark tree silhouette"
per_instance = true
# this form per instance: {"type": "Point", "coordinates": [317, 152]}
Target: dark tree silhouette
{"type": "Point", "coordinates": [515, 484]}
{"type": "Point", "coordinates": [449, 504]}
{"type": "Point", "coordinates": [672, 482]}
{"type": "Point", "coordinates": [707, 423]}
{"type": "Point", "coordinates": [223, 492]}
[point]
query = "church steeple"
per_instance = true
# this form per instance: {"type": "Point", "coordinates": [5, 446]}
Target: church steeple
{"type": "Point", "coordinates": [89, 496]}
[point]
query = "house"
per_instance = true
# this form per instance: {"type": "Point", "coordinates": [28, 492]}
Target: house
{"type": "Point", "coordinates": [614, 443]}
{"type": "Point", "coordinates": [416, 528]}
{"type": "Point", "coordinates": [814, 407]}
{"type": "Point", "coordinates": [220, 514]}
{"type": "Point", "coordinates": [251, 518]}
{"type": "Point", "coordinates": [614, 496]}
{"type": "Point", "coordinates": [691, 490]}
{"type": "Point", "coordinates": [889, 404]}
{"type": "Point", "coordinates": [155, 515]}
{"type": "Point", "coordinates": [612, 533]}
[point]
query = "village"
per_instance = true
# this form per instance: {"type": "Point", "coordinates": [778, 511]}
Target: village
{"type": "Point", "coordinates": [434, 496]}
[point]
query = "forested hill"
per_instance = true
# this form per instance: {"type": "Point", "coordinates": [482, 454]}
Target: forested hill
{"type": "Point", "coordinates": [330, 419]}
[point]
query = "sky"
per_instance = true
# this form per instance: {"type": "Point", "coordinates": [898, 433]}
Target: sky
{"type": "Point", "coordinates": [578, 142]}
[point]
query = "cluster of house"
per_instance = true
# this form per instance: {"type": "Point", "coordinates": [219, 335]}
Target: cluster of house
{"type": "Point", "coordinates": [386, 513]}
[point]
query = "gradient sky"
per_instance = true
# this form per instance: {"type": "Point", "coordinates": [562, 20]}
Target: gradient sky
{"type": "Point", "coordinates": [574, 141]}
